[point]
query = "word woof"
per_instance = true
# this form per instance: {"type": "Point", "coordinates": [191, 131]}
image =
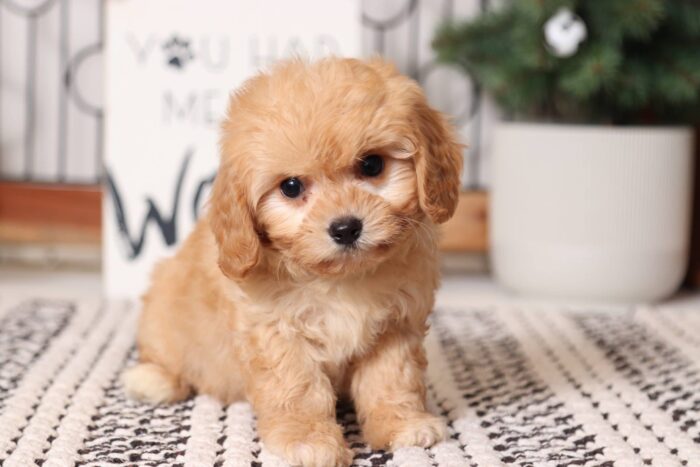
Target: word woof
{"type": "Point", "coordinates": [162, 218]}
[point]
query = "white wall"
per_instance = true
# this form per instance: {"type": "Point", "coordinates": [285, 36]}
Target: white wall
{"type": "Point", "coordinates": [51, 90]}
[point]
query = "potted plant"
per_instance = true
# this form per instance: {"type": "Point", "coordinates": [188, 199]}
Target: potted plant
{"type": "Point", "coordinates": [591, 176]}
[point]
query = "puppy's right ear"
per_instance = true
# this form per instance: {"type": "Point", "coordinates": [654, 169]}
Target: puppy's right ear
{"type": "Point", "coordinates": [231, 221]}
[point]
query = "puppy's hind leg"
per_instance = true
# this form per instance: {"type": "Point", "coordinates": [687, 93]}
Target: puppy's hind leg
{"type": "Point", "coordinates": [149, 382]}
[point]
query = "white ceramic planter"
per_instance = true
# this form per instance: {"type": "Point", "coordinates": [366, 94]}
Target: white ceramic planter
{"type": "Point", "coordinates": [591, 212]}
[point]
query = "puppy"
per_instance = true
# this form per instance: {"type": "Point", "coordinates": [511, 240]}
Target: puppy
{"type": "Point", "coordinates": [314, 271]}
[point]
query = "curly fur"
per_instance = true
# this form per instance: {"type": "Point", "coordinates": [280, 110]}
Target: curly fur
{"type": "Point", "coordinates": [260, 303]}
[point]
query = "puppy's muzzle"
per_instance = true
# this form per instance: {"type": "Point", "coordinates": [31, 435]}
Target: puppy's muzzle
{"type": "Point", "coordinates": [345, 230]}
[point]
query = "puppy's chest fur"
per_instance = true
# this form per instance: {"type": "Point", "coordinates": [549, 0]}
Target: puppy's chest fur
{"type": "Point", "coordinates": [338, 321]}
{"type": "Point", "coordinates": [338, 325]}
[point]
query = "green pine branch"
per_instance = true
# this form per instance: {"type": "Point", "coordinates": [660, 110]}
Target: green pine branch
{"type": "Point", "coordinates": [639, 63]}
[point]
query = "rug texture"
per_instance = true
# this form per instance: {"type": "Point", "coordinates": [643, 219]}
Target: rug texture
{"type": "Point", "coordinates": [517, 385]}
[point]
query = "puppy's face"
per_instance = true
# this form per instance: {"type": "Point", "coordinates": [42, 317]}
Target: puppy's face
{"type": "Point", "coordinates": [331, 166]}
{"type": "Point", "coordinates": [340, 210]}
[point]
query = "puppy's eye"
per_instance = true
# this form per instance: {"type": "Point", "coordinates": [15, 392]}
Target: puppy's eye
{"type": "Point", "coordinates": [292, 187]}
{"type": "Point", "coordinates": [371, 165]}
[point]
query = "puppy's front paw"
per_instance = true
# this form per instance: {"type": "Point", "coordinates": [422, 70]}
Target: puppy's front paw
{"type": "Point", "coordinates": [422, 432]}
{"type": "Point", "coordinates": [419, 429]}
{"type": "Point", "coordinates": [318, 453]}
{"type": "Point", "coordinates": [319, 445]}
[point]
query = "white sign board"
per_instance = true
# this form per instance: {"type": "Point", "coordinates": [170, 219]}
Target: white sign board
{"type": "Point", "coordinates": [170, 65]}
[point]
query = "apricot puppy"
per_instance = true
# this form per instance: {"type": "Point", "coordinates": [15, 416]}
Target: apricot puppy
{"type": "Point", "coordinates": [313, 273]}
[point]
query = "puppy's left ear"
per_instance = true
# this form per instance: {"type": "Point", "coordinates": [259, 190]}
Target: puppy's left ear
{"type": "Point", "coordinates": [438, 164]}
{"type": "Point", "coordinates": [231, 221]}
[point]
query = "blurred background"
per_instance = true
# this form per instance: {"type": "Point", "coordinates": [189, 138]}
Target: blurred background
{"type": "Point", "coordinates": [580, 119]}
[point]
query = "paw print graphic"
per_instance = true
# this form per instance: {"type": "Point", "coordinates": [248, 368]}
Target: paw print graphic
{"type": "Point", "coordinates": [177, 52]}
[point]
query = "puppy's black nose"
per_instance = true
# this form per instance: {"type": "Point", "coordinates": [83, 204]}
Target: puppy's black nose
{"type": "Point", "coordinates": [346, 230]}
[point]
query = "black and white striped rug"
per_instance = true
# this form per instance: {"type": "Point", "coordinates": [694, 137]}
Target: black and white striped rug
{"type": "Point", "coordinates": [521, 386]}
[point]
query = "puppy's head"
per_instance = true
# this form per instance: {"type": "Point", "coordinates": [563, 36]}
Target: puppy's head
{"type": "Point", "coordinates": [330, 166]}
